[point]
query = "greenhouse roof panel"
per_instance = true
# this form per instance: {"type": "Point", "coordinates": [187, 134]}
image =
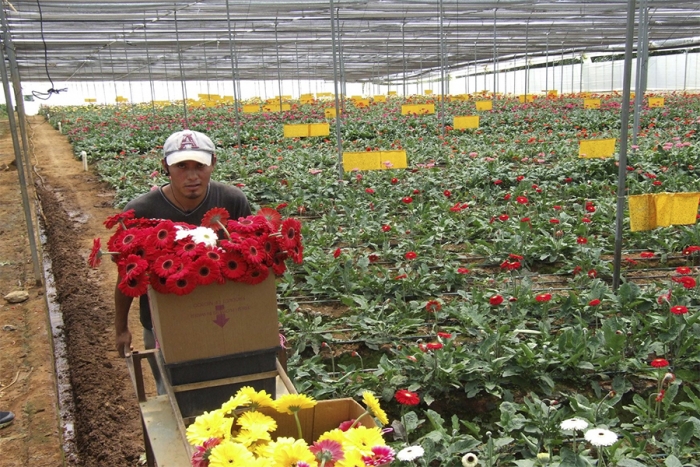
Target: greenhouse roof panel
{"type": "Point", "coordinates": [142, 40]}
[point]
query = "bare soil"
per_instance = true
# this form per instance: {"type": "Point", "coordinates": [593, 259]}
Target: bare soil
{"type": "Point", "coordinates": [71, 205]}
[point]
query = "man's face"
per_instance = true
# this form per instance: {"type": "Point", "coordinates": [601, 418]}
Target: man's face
{"type": "Point", "coordinates": [190, 179]}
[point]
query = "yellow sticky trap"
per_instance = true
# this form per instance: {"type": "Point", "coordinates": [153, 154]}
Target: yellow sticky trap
{"type": "Point", "coordinates": [354, 98]}
{"type": "Point", "coordinates": [276, 107]}
{"type": "Point", "coordinates": [591, 103]}
{"type": "Point", "coordinates": [306, 100]}
{"type": "Point", "coordinates": [360, 103]}
{"type": "Point", "coordinates": [392, 160]}
{"type": "Point", "coordinates": [632, 95]}
{"type": "Point", "coordinates": [596, 148]}
{"type": "Point", "coordinates": [484, 105]}
{"type": "Point", "coordinates": [306, 96]}
{"type": "Point", "coordinates": [319, 129]}
{"type": "Point", "coordinates": [585, 95]}
{"type": "Point", "coordinates": [208, 97]}
{"type": "Point", "coordinates": [251, 108]}
{"type": "Point", "coordinates": [324, 94]}
{"type": "Point", "coordinates": [392, 93]}
{"type": "Point", "coordinates": [525, 98]}
{"type": "Point", "coordinates": [121, 99]}
{"type": "Point", "coordinates": [330, 113]}
{"type": "Point", "coordinates": [653, 210]}
{"type": "Point", "coordinates": [656, 102]}
{"type": "Point", "coordinates": [464, 122]}
{"type": "Point", "coordinates": [552, 93]}
{"type": "Point", "coordinates": [299, 130]}
{"type": "Point", "coordinates": [428, 92]}
{"type": "Point", "coordinates": [361, 161]}
{"type": "Point", "coordinates": [228, 99]}
{"type": "Point", "coordinates": [379, 98]}
{"type": "Point", "coordinates": [461, 97]}
{"type": "Point", "coordinates": [90, 99]}
{"type": "Point", "coordinates": [417, 109]}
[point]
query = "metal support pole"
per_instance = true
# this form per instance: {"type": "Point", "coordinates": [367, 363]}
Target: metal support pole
{"type": "Point", "coordinates": [182, 73]}
{"type": "Point", "coordinates": [338, 115]}
{"type": "Point", "coordinates": [441, 14]}
{"type": "Point", "coordinates": [644, 22]}
{"type": "Point", "coordinates": [624, 131]}
{"type": "Point", "coordinates": [685, 71]}
{"type": "Point", "coordinates": [150, 76]}
{"type": "Point", "coordinates": [38, 278]}
{"type": "Point", "coordinates": [279, 67]}
{"type": "Point", "coordinates": [495, 57]}
{"type": "Point", "coordinates": [638, 82]}
{"type": "Point", "coordinates": [561, 76]}
{"type": "Point", "coordinates": [403, 55]}
{"type": "Point", "coordinates": [236, 97]}
{"type": "Point", "coordinates": [546, 67]}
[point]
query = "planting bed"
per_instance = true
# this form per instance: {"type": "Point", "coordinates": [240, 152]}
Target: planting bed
{"type": "Point", "coordinates": [479, 277]}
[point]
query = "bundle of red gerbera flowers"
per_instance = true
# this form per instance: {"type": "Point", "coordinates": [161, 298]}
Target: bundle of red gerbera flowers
{"type": "Point", "coordinates": [177, 257]}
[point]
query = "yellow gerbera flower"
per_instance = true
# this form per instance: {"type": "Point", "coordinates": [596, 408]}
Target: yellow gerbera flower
{"type": "Point", "coordinates": [257, 420]}
{"type": "Point", "coordinates": [364, 439]}
{"type": "Point", "coordinates": [249, 437]}
{"type": "Point", "coordinates": [373, 407]}
{"type": "Point", "coordinates": [291, 403]}
{"type": "Point", "coordinates": [336, 434]}
{"type": "Point", "coordinates": [235, 402]}
{"type": "Point", "coordinates": [286, 453]}
{"type": "Point", "coordinates": [209, 425]}
{"type": "Point", "coordinates": [352, 458]}
{"type": "Point", "coordinates": [230, 454]}
{"type": "Point", "coordinates": [258, 399]}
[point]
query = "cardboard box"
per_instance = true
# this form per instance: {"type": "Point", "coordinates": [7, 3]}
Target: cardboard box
{"type": "Point", "coordinates": [325, 416]}
{"type": "Point", "coordinates": [215, 320]}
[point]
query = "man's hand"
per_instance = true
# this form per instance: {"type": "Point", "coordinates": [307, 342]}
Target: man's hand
{"type": "Point", "coordinates": [124, 343]}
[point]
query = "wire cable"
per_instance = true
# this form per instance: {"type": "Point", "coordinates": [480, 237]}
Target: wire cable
{"type": "Point", "coordinates": [45, 95]}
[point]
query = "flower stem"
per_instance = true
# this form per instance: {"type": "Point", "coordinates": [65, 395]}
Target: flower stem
{"type": "Point", "coordinates": [296, 418]}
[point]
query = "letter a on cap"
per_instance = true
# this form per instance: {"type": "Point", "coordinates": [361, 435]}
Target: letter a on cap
{"type": "Point", "coordinates": [188, 142]}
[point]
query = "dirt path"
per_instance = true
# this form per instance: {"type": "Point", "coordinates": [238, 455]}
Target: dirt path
{"type": "Point", "coordinates": [73, 206]}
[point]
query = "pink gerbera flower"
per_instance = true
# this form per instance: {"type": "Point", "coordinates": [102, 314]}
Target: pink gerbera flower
{"type": "Point", "coordinates": [381, 455]}
{"type": "Point", "coordinates": [327, 451]}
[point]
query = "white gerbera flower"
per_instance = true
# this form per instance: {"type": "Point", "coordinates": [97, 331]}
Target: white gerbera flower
{"type": "Point", "coordinates": [199, 235]}
{"type": "Point", "coordinates": [574, 424]}
{"type": "Point", "coordinates": [410, 453]}
{"type": "Point", "coordinates": [470, 460]}
{"type": "Point", "coordinates": [600, 437]}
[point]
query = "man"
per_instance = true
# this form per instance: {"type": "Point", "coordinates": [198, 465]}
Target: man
{"type": "Point", "coordinates": [188, 161]}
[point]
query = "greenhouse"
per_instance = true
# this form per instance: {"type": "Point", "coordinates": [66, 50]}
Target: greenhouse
{"type": "Point", "coordinates": [431, 233]}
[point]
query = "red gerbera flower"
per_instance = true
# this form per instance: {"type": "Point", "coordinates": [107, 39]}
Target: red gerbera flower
{"type": "Point", "coordinates": [407, 200]}
{"type": "Point", "coordinates": [687, 281]}
{"type": "Point", "coordinates": [543, 297]}
{"type": "Point", "coordinates": [270, 246]}
{"type": "Point", "coordinates": [683, 270]}
{"type": "Point", "coordinates": [187, 248]}
{"type": "Point", "coordinates": [521, 200]}
{"type": "Point", "coordinates": [255, 274]}
{"type": "Point", "coordinates": [233, 265]}
{"type": "Point", "coordinates": [166, 265]}
{"type": "Point", "coordinates": [296, 253]}
{"type": "Point", "coordinates": [581, 240]}
{"type": "Point", "coordinates": [406, 397]}
{"type": "Point", "coordinates": [278, 264]}
{"type": "Point", "coordinates": [463, 271]}
{"type": "Point", "coordinates": [213, 255]}
{"type": "Point", "coordinates": [181, 283]}
{"type": "Point", "coordinates": [691, 249]}
{"type": "Point", "coordinates": [134, 286]}
{"type": "Point", "coordinates": [291, 233]}
{"type": "Point", "coordinates": [273, 217]}
{"type": "Point", "coordinates": [132, 266]}
{"type": "Point", "coordinates": [248, 225]}
{"type": "Point", "coordinates": [659, 363]}
{"type": "Point", "coordinates": [594, 302]}
{"type": "Point", "coordinates": [647, 254]}
{"type": "Point", "coordinates": [163, 235]}
{"type": "Point", "coordinates": [411, 255]}
{"type": "Point", "coordinates": [95, 257]}
{"type": "Point", "coordinates": [119, 218]}
{"type": "Point", "coordinates": [252, 250]}
{"type": "Point", "coordinates": [444, 335]}
{"type": "Point", "coordinates": [215, 218]}
{"type": "Point", "coordinates": [495, 300]}
{"type": "Point", "coordinates": [679, 310]}
{"type": "Point", "coordinates": [125, 241]}
{"type": "Point", "coordinates": [434, 345]}
{"type": "Point", "coordinates": [433, 306]}
{"type": "Point", "coordinates": [158, 283]}
{"type": "Point", "coordinates": [206, 271]}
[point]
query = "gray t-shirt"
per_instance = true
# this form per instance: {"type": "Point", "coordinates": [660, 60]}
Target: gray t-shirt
{"type": "Point", "coordinates": [155, 205]}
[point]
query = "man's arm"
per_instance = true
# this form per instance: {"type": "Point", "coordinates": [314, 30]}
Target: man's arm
{"type": "Point", "coordinates": [122, 304]}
